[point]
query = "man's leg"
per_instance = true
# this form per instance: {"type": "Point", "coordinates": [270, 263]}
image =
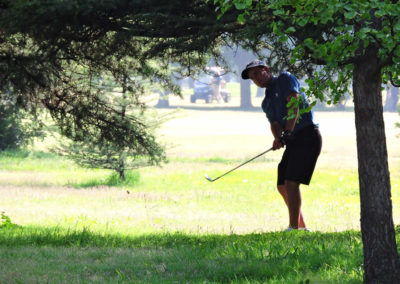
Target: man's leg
{"type": "Point", "coordinates": [294, 202]}
{"type": "Point", "coordinates": [297, 203]}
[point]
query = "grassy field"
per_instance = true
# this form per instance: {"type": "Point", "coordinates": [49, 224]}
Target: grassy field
{"type": "Point", "coordinates": [65, 224]}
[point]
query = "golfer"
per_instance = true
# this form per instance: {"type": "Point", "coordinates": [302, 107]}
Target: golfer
{"type": "Point", "coordinates": [299, 134]}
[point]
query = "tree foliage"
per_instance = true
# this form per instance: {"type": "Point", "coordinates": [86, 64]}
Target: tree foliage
{"type": "Point", "coordinates": [54, 53]}
{"type": "Point", "coordinates": [332, 34]}
{"type": "Point", "coordinates": [17, 126]}
{"type": "Point", "coordinates": [94, 152]}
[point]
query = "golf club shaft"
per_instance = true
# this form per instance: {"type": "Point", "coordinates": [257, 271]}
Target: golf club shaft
{"type": "Point", "coordinates": [243, 163]}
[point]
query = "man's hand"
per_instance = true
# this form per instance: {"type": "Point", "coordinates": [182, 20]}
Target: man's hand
{"type": "Point", "coordinates": [286, 136]}
{"type": "Point", "coordinates": [277, 144]}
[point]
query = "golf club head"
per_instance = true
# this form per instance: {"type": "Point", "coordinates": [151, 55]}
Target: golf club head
{"type": "Point", "coordinates": [208, 178]}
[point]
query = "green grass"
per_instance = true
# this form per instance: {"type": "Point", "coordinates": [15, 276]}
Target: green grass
{"type": "Point", "coordinates": [65, 224]}
{"type": "Point", "coordinates": [172, 226]}
{"type": "Point", "coordinates": [84, 256]}
{"type": "Point", "coordinates": [132, 178]}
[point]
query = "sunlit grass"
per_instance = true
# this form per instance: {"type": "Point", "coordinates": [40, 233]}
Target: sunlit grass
{"type": "Point", "coordinates": [177, 198]}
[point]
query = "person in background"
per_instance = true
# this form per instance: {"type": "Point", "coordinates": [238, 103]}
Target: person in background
{"type": "Point", "coordinates": [216, 85]}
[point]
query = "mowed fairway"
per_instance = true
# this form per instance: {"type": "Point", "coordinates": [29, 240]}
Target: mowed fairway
{"type": "Point", "coordinates": [173, 226]}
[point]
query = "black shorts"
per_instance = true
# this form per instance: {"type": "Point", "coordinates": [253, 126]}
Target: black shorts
{"type": "Point", "coordinates": [300, 156]}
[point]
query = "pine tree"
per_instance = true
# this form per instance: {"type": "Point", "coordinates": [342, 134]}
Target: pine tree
{"type": "Point", "coordinates": [95, 152]}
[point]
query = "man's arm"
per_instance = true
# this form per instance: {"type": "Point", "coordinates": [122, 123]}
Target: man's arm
{"type": "Point", "coordinates": [276, 130]}
{"type": "Point", "coordinates": [291, 123]}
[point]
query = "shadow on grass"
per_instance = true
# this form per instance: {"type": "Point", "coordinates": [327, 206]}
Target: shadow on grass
{"type": "Point", "coordinates": [216, 108]}
{"type": "Point", "coordinates": [252, 108]}
{"type": "Point", "coordinates": [285, 257]}
{"type": "Point", "coordinates": [132, 178]}
{"type": "Point", "coordinates": [217, 160]}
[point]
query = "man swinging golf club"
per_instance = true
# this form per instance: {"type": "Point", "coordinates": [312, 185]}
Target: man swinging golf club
{"type": "Point", "coordinates": [299, 134]}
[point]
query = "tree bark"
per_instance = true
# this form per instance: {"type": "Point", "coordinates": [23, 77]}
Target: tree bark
{"type": "Point", "coordinates": [260, 92]}
{"type": "Point", "coordinates": [245, 94]}
{"type": "Point", "coordinates": [381, 260]}
{"type": "Point", "coordinates": [163, 100]}
{"type": "Point", "coordinates": [242, 58]}
{"type": "Point", "coordinates": [121, 169]}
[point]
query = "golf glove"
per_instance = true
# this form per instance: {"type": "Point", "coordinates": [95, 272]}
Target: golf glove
{"type": "Point", "coordinates": [287, 136]}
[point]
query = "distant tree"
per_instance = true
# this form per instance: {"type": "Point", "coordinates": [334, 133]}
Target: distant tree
{"type": "Point", "coordinates": [163, 99]}
{"type": "Point", "coordinates": [242, 58]}
{"type": "Point", "coordinates": [392, 98]}
{"type": "Point", "coordinates": [17, 127]}
{"type": "Point", "coordinates": [237, 57]}
{"type": "Point", "coordinates": [260, 92]}
{"type": "Point", "coordinates": [95, 152]}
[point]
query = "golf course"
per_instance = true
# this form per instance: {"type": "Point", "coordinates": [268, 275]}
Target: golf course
{"type": "Point", "coordinates": [61, 223]}
{"type": "Point", "coordinates": [135, 147]}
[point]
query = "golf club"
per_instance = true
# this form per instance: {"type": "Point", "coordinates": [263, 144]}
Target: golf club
{"type": "Point", "coordinates": [259, 155]}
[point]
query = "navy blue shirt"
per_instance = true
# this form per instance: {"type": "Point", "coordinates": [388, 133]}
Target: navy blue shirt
{"type": "Point", "coordinates": [275, 101]}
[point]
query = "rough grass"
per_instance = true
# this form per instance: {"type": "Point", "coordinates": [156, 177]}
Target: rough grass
{"type": "Point", "coordinates": [56, 255]}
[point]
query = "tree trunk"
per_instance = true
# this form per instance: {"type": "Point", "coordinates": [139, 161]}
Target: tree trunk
{"type": "Point", "coordinates": [191, 83]}
{"type": "Point", "coordinates": [121, 169]}
{"type": "Point", "coordinates": [163, 100]}
{"type": "Point", "coordinates": [242, 57]}
{"type": "Point", "coordinates": [392, 98]}
{"type": "Point", "coordinates": [260, 92]}
{"type": "Point", "coordinates": [381, 260]}
{"type": "Point", "coordinates": [245, 94]}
